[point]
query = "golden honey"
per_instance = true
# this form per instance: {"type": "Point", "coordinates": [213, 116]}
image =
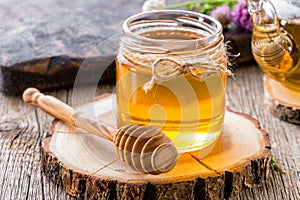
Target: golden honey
{"type": "Point", "coordinates": [188, 106]}
{"type": "Point", "coordinates": [276, 44]}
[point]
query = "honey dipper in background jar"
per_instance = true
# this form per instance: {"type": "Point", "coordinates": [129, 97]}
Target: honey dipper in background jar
{"type": "Point", "coordinates": [276, 39]}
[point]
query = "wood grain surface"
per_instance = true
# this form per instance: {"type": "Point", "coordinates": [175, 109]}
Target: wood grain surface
{"type": "Point", "coordinates": [22, 129]}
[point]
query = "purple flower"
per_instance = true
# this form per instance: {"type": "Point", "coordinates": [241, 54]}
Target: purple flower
{"type": "Point", "coordinates": [241, 17]}
{"type": "Point", "coordinates": [222, 14]}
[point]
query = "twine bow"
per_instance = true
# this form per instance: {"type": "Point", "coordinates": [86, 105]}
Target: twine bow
{"type": "Point", "coordinates": [167, 68]}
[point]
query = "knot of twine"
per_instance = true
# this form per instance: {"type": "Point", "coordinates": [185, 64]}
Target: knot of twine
{"type": "Point", "coordinates": [167, 68]}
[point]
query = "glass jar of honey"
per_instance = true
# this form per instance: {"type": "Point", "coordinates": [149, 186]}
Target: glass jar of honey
{"type": "Point", "coordinates": [171, 74]}
{"type": "Point", "coordinates": [276, 39]}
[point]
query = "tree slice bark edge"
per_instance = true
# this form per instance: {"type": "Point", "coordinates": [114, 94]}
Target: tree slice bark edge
{"type": "Point", "coordinates": [279, 103]}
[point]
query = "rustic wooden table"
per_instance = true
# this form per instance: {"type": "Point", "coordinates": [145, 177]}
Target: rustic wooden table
{"type": "Point", "coordinates": [22, 129]}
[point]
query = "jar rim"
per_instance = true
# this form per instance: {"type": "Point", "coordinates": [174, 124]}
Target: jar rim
{"type": "Point", "coordinates": [215, 24]}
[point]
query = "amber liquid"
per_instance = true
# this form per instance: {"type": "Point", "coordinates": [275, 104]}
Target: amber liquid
{"type": "Point", "coordinates": [285, 67]}
{"type": "Point", "coordinates": [190, 111]}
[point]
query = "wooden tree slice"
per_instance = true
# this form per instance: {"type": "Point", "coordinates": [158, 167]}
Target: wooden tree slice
{"type": "Point", "coordinates": [88, 167]}
{"type": "Point", "coordinates": [283, 102]}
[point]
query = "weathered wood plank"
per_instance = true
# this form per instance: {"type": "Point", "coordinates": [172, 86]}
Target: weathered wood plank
{"type": "Point", "coordinates": [245, 94]}
{"type": "Point", "coordinates": [43, 43]}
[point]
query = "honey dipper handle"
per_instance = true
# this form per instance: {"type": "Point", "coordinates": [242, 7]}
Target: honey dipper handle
{"type": "Point", "coordinates": [64, 112]}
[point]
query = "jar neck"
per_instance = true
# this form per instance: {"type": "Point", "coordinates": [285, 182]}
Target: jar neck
{"type": "Point", "coordinates": [171, 32]}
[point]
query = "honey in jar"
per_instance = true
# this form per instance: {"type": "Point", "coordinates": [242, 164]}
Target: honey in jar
{"type": "Point", "coordinates": [171, 74]}
{"type": "Point", "coordinates": [276, 39]}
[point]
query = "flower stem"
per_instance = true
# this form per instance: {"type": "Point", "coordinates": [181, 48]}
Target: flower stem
{"type": "Point", "coordinates": [178, 5]}
{"type": "Point", "coordinates": [188, 3]}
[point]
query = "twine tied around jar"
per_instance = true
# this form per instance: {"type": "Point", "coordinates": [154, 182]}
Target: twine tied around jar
{"type": "Point", "coordinates": [167, 68]}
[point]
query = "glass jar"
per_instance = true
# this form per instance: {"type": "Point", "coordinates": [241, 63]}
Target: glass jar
{"type": "Point", "coordinates": [171, 74]}
{"type": "Point", "coordinates": [276, 39]}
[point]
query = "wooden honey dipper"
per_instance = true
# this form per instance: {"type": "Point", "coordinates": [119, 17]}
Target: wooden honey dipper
{"type": "Point", "coordinates": [144, 148]}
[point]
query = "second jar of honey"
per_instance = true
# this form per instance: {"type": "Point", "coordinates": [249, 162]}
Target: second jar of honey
{"type": "Point", "coordinates": [171, 74]}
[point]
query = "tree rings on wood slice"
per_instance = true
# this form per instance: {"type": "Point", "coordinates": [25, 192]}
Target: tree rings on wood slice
{"type": "Point", "coordinates": [88, 167]}
{"type": "Point", "coordinates": [283, 102]}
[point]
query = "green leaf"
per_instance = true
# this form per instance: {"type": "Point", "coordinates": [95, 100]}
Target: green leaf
{"type": "Point", "coordinates": [205, 5]}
